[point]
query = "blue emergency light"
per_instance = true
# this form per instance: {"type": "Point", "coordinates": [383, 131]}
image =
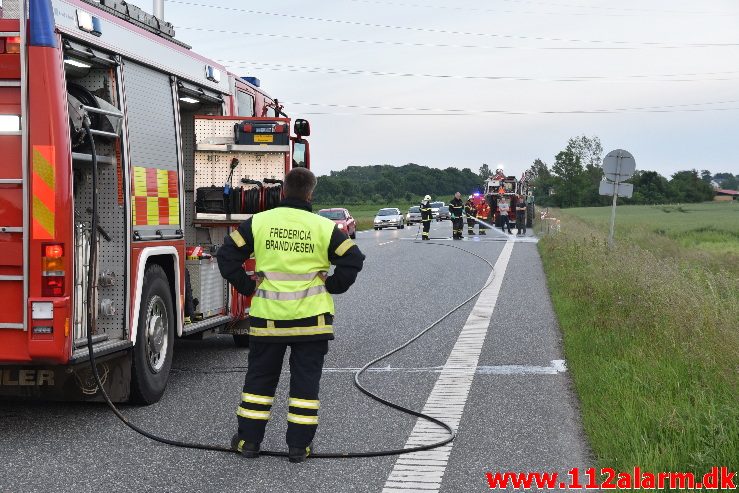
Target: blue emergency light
{"type": "Point", "coordinates": [41, 16]}
{"type": "Point", "coordinates": [251, 80]}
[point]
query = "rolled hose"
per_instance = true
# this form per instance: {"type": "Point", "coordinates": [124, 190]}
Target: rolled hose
{"type": "Point", "coordinates": [92, 321]}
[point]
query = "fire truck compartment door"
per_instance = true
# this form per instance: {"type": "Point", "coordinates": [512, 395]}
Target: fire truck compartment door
{"type": "Point", "coordinates": [152, 142]}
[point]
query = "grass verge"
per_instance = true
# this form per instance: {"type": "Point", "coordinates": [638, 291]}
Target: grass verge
{"type": "Point", "coordinates": [651, 339]}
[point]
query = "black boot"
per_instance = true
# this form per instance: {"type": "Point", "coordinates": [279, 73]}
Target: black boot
{"type": "Point", "coordinates": [297, 454]}
{"type": "Point", "coordinates": [246, 449]}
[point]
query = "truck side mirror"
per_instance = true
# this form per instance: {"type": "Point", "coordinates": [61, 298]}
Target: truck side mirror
{"type": "Point", "coordinates": [302, 128]}
{"type": "Point", "coordinates": [301, 154]}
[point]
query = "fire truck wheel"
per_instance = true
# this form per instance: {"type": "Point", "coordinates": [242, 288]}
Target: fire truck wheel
{"type": "Point", "coordinates": [152, 354]}
{"type": "Point", "coordinates": [241, 340]}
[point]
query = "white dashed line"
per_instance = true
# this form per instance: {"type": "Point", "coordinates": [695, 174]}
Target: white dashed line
{"type": "Point", "coordinates": [425, 470]}
{"type": "Point", "coordinates": [385, 243]}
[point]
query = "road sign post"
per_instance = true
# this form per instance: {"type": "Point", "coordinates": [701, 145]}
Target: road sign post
{"type": "Point", "coordinates": [618, 165]}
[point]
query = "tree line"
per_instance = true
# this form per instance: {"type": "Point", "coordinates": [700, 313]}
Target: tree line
{"type": "Point", "coordinates": [574, 178]}
{"type": "Point", "coordinates": [382, 184]}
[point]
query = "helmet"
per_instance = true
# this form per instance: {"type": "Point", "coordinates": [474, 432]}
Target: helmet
{"type": "Point", "coordinates": [427, 198]}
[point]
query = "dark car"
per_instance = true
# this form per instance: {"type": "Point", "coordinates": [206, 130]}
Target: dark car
{"type": "Point", "coordinates": [444, 213]}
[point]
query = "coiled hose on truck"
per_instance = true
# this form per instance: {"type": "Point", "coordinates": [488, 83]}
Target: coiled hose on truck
{"type": "Point", "coordinates": [92, 321]}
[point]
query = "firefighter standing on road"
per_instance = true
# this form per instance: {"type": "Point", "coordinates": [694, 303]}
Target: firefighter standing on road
{"type": "Point", "coordinates": [456, 209]}
{"type": "Point", "coordinates": [470, 211]}
{"type": "Point", "coordinates": [483, 214]}
{"type": "Point", "coordinates": [292, 306]}
{"type": "Point", "coordinates": [426, 216]}
{"type": "Point", "coordinates": [521, 215]}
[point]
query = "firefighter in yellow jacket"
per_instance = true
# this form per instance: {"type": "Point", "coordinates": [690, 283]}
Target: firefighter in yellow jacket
{"type": "Point", "coordinates": [426, 216]}
{"type": "Point", "coordinates": [292, 306]}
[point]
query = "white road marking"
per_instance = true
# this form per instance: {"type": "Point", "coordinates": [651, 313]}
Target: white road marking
{"type": "Point", "coordinates": [477, 239]}
{"type": "Point", "coordinates": [425, 470]}
{"type": "Point", "coordinates": [385, 243]}
{"type": "Point", "coordinates": [556, 366]}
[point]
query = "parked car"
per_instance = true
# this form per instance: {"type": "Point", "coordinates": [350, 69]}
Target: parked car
{"type": "Point", "coordinates": [344, 221]}
{"type": "Point", "coordinates": [413, 215]}
{"type": "Point", "coordinates": [435, 208]}
{"type": "Point", "coordinates": [444, 213]}
{"type": "Point", "coordinates": [387, 217]}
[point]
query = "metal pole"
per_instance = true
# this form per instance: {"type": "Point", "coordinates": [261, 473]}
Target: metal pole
{"type": "Point", "coordinates": [613, 207]}
{"type": "Point", "coordinates": [159, 9]}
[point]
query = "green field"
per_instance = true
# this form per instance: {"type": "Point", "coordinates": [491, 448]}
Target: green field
{"type": "Point", "coordinates": [651, 331]}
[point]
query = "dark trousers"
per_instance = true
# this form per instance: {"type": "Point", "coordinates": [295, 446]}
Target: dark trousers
{"type": "Point", "coordinates": [457, 227]}
{"type": "Point", "coordinates": [426, 228]}
{"type": "Point", "coordinates": [265, 365]}
{"type": "Point", "coordinates": [470, 225]}
{"type": "Point", "coordinates": [505, 224]}
{"type": "Point", "coordinates": [521, 222]}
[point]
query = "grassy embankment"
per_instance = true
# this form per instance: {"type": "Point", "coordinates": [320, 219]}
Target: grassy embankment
{"type": "Point", "coordinates": [651, 331]}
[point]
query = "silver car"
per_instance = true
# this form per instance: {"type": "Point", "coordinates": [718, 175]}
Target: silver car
{"type": "Point", "coordinates": [435, 206]}
{"type": "Point", "coordinates": [413, 215]}
{"type": "Point", "coordinates": [390, 216]}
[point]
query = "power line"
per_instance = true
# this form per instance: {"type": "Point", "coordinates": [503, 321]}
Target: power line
{"type": "Point", "coordinates": [325, 113]}
{"type": "Point", "coordinates": [445, 31]}
{"type": "Point", "coordinates": [432, 45]}
{"type": "Point", "coordinates": [245, 64]}
{"type": "Point", "coordinates": [621, 9]}
{"type": "Point", "coordinates": [405, 43]}
{"type": "Point", "coordinates": [674, 108]}
{"type": "Point", "coordinates": [632, 12]}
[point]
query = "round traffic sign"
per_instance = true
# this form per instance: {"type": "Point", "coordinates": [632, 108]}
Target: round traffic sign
{"type": "Point", "coordinates": [619, 165]}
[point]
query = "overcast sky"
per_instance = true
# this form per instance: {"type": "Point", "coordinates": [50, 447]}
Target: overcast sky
{"type": "Point", "coordinates": [501, 82]}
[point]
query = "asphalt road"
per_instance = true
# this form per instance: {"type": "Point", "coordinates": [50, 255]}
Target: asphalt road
{"type": "Point", "coordinates": [520, 413]}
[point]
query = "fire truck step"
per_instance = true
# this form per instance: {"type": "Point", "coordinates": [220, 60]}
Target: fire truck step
{"type": "Point", "coordinates": [208, 323]}
{"type": "Point", "coordinates": [82, 341]}
{"type": "Point", "coordinates": [105, 347]}
{"type": "Point", "coordinates": [87, 158]}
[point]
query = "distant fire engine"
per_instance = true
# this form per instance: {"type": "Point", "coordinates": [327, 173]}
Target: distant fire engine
{"type": "Point", "coordinates": [499, 189]}
{"type": "Point", "coordinates": [185, 151]}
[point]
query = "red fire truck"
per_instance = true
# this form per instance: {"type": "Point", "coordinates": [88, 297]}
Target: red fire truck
{"type": "Point", "coordinates": [184, 152]}
{"type": "Point", "coordinates": [500, 189]}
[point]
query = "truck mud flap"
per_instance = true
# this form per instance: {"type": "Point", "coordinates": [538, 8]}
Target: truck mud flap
{"type": "Point", "coordinates": [68, 383]}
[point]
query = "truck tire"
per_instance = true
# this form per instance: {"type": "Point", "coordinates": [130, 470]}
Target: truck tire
{"type": "Point", "coordinates": [241, 340]}
{"type": "Point", "coordinates": [530, 216]}
{"type": "Point", "coordinates": [152, 354]}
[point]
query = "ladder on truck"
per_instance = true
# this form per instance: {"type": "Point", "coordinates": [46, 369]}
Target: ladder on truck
{"type": "Point", "coordinates": [15, 275]}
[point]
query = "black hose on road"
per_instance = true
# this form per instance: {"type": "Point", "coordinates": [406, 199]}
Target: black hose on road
{"type": "Point", "coordinates": [92, 321]}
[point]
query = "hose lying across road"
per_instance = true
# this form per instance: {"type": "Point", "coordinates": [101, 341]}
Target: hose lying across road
{"type": "Point", "coordinates": [357, 382]}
